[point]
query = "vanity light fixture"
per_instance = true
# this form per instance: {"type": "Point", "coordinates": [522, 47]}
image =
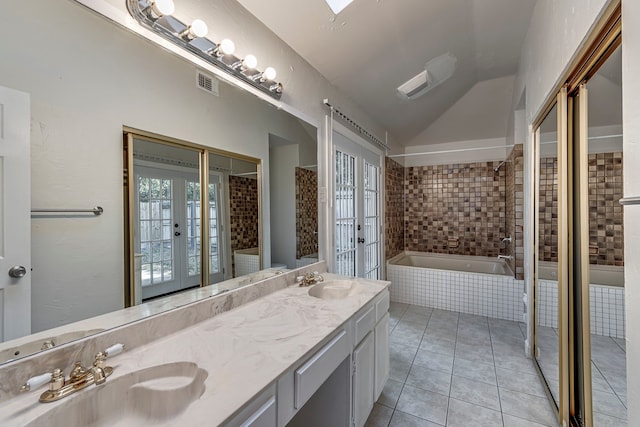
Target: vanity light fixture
{"type": "Point", "coordinates": [249, 62]}
{"type": "Point", "coordinates": [269, 74]}
{"type": "Point", "coordinates": [196, 30]}
{"type": "Point", "coordinates": [225, 48]}
{"type": "Point", "coordinates": [157, 16]}
{"type": "Point", "coordinates": [159, 8]}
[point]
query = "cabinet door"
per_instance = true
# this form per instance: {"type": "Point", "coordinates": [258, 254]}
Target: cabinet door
{"type": "Point", "coordinates": [382, 355]}
{"type": "Point", "coordinates": [265, 416]}
{"type": "Point", "coordinates": [363, 374]}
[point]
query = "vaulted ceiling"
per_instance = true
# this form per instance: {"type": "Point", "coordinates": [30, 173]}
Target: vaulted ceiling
{"type": "Point", "coordinates": [373, 46]}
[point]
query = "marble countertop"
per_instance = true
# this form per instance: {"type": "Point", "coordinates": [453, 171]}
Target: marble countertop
{"type": "Point", "coordinates": [243, 351]}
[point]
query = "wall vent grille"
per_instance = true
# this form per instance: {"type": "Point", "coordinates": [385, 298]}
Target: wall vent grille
{"type": "Point", "coordinates": [207, 83]}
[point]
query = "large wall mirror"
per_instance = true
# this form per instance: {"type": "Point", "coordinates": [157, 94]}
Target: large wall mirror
{"type": "Point", "coordinates": [82, 98]}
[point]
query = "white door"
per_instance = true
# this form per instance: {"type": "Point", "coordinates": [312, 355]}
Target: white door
{"type": "Point", "coordinates": [15, 214]}
{"type": "Point", "coordinates": [357, 209]}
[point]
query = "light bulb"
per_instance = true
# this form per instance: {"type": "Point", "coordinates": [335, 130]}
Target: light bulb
{"type": "Point", "coordinates": [198, 28]}
{"type": "Point", "coordinates": [269, 74]}
{"type": "Point", "coordinates": [249, 62]}
{"type": "Point", "coordinates": [163, 7]}
{"type": "Point", "coordinates": [226, 47]}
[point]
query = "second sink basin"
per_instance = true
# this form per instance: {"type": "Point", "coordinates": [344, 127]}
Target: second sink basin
{"type": "Point", "coordinates": [335, 289]}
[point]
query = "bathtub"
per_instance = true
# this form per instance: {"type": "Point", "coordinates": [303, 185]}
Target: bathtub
{"type": "Point", "coordinates": [471, 264]}
{"type": "Point", "coordinates": [607, 275]}
{"type": "Point", "coordinates": [606, 298]}
{"type": "Point", "coordinates": [477, 285]}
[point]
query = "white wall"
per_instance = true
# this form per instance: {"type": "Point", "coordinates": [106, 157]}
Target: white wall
{"type": "Point", "coordinates": [631, 138]}
{"type": "Point", "coordinates": [87, 78]}
{"type": "Point", "coordinates": [283, 160]}
{"type": "Point", "coordinates": [482, 113]}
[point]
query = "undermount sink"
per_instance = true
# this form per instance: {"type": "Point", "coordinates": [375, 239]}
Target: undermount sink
{"type": "Point", "coordinates": [336, 289]}
{"type": "Point", "coordinates": [150, 396]}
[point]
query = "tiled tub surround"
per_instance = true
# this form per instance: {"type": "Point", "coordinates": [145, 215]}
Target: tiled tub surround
{"type": "Point", "coordinates": [606, 236]}
{"type": "Point", "coordinates": [243, 214]}
{"type": "Point", "coordinates": [463, 209]}
{"type": "Point", "coordinates": [514, 205]}
{"type": "Point", "coordinates": [606, 302]}
{"type": "Point", "coordinates": [246, 261]}
{"type": "Point", "coordinates": [306, 212]}
{"type": "Point", "coordinates": [394, 212]}
{"type": "Point", "coordinates": [243, 350]}
{"type": "Point", "coordinates": [491, 295]}
{"type": "Point", "coordinates": [455, 209]}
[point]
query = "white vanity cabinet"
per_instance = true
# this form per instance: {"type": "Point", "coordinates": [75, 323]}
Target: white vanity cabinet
{"type": "Point", "coordinates": [370, 357]}
{"type": "Point", "coordinates": [337, 384]}
{"type": "Point", "coordinates": [260, 412]}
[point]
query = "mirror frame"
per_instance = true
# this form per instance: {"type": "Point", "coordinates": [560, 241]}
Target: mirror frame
{"type": "Point", "coordinates": [203, 151]}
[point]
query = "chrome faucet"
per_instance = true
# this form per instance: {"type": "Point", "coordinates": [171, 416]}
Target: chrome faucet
{"type": "Point", "coordinates": [309, 279]}
{"type": "Point", "coordinates": [506, 239]}
{"type": "Point", "coordinates": [79, 378]}
{"type": "Point", "coordinates": [507, 257]}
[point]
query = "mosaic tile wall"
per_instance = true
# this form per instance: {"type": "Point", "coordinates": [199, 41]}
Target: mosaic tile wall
{"type": "Point", "coordinates": [306, 212]}
{"type": "Point", "coordinates": [394, 202]}
{"type": "Point", "coordinates": [456, 209]}
{"type": "Point", "coordinates": [243, 211]}
{"type": "Point", "coordinates": [514, 207]}
{"type": "Point", "coordinates": [606, 237]}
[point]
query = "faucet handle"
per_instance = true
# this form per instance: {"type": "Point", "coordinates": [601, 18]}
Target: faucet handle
{"type": "Point", "coordinates": [36, 382]}
{"type": "Point", "coordinates": [113, 350]}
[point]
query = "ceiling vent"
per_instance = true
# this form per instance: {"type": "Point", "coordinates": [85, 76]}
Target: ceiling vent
{"type": "Point", "coordinates": [435, 72]}
{"type": "Point", "coordinates": [207, 83]}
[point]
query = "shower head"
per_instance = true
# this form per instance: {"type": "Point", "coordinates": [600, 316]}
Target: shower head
{"type": "Point", "coordinates": [497, 168]}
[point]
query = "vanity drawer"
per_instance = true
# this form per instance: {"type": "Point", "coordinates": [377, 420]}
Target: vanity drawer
{"type": "Point", "coordinates": [364, 323]}
{"type": "Point", "coordinates": [310, 376]}
{"type": "Point", "coordinates": [382, 306]}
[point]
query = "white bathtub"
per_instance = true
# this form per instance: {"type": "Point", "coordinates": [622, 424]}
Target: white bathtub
{"type": "Point", "coordinates": [466, 284]}
{"type": "Point", "coordinates": [608, 275]}
{"type": "Point", "coordinates": [470, 264]}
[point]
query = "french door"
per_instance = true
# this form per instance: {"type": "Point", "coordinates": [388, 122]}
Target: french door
{"type": "Point", "coordinates": [357, 209]}
{"type": "Point", "coordinates": [168, 230]}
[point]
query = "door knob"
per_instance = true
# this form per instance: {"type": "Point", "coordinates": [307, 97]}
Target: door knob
{"type": "Point", "coordinates": [17, 271]}
{"type": "Point", "coordinates": [177, 233]}
{"type": "Point", "coordinates": [360, 239]}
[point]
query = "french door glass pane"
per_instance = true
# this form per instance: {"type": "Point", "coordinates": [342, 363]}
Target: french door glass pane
{"type": "Point", "coordinates": [345, 214]}
{"type": "Point", "coordinates": [155, 209]}
{"type": "Point", "coordinates": [193, 228]}
{"type": "Point", "coordinates": [214, 259]}
{"type": "Point", "coordinates": [371, 221]}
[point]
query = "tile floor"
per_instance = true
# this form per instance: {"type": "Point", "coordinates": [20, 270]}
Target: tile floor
{"type": "Point", "coordinates": [455, 369]}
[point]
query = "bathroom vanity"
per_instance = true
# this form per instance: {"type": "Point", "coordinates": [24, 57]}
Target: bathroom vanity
{"type": "Point", "coordinates": [287, 355]}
